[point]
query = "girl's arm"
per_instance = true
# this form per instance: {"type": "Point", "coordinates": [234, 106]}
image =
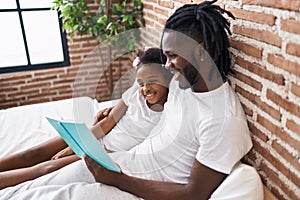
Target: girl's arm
{"type": "Point", "coordinates": [102, 127]}
{"type": "Point", "coordinates": [106, 124]}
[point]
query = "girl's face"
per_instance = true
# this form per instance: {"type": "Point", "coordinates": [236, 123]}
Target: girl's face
{"type": "Point", "coordinates": [153, 85]}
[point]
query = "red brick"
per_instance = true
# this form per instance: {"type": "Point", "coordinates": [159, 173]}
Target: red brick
{"type": "Point", "coordinates": [266, 123]}
{"type": "Point", "coordinates": [64, 81]}
{"type": "Point", "coordinates": [285, 137]}
{"type": "Point", "coordinates": [293, 49]}
{"type": "Point", "coordinates": [46, 72]}
{"type": "Point", "coordinates": [42, 79]}
{"type": "Point", "coordinates": [75, 57]}
{"type": "Point", "coordinates": [245, 93]}
{"type": "Point", "coordinates": [247, 48]}
{"type": "Point", "coordinates": [261, 71]}
{"type": "Point", "coordinates": [153, 1]}
{"type": "Point", "coordinates": [286, 155]}
{"type": "Point", "coordinates": [285, 5]}
{"type": "Point", "coordinates": [261, 18]}
{"type": "Point", "coordinates": [255, 131]}
{"type": "Point", "coordinates": [292, 125]}
{"type": "Point", "coordinates": [38, 95]}
{"type": "Point", "coordinates": [283, 103]}
{"type": "Point", "coordinates": [5, 105]}
{"type": "Point", "coordinates": [152, 16]}
{"type": "Point", "coordinates": [34, 101]}
{"type": "Point", "coordinates": [57, 98]}
{"type": "Point", "coordinates": [166, 3]}
{"type": "Point", "coordinates": [81, 51]}
{"type": "Point", "coordinates": [295, 89]}
{"type": "Point", "coordinates": [276, 163]}
{"type": "Point", "coordinates": [9, 90]}
{"type": "Point", "coordinates": [33, 86]}
{"type": "Point", "coordinates": [260, 35]}
{"type": "Point", "coordinates": [149, 22]}
{"type": "Point", "coordinates": [11, 83]}
{"type": "Point", "coordinates": [185, 1]}
{"type": "Point", "coordinates": [54, 88]}
{"type": "Point", "coordinates": [24, 93]}
{"type": "Point", "coordinates": [74, 46]}
{"type": "Point", "coordinates": [271, 175]}
{"type": "Point", "coordinates": [248, 80]}
{"type": "Point", "coordinates": [247, 110]}
{"type": "Point", "coordinates": [147, 6]}
{"type": "Point", "coordinates": [14, 77]}
{"type": "Point", "coordinates": [273, 178]}
{"type": "Point", "coordinates": [281, 62]}
{"type": "Point", "coordinates": [83, 38]}
{"type": "Point", "coordinates": [251, 157]}
{"type": "Point", "coordinates": [76, 63]}
{"type": "Point", "coordinates": [16, 98]}
{"type": "Point", "coordinates": [66, 91]}
{"type": "Point", "coordinates": [291, 26]}
{"type": "Point", "coordinates": [89, 44]}
{"type": "Point", "coordinates": [268, 109]}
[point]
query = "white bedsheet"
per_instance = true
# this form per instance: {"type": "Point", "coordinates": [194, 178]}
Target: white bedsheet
{"type": "Point", "coordinates": [75, 182]}
{"type": "Point", "coordinates": [25, 126]}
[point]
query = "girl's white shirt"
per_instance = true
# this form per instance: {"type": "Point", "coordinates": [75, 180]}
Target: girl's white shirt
{"type": "Point", "coordinates": [134, 126]}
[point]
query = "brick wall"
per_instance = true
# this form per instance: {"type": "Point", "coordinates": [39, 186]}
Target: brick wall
{"type": "Point", "coordinates": [266, 42]}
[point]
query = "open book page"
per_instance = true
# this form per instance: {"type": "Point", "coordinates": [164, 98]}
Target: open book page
{"type": "Point", "coordinates": [82, 141]}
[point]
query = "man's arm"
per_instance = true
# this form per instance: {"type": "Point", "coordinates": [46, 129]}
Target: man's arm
{"type": "Point", "coordinates": [203, 181]}
{"type": "Point", "coordinates": [106, 124]}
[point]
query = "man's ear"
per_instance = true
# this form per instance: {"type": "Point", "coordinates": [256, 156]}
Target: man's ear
{"type": "Point", "coordinates": [206, 65]}
{"type": "Point", "coordinates": [199, 53]}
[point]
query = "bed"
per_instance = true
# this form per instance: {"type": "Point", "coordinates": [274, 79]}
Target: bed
{"type": "Point", "coordinates": [25, 126]}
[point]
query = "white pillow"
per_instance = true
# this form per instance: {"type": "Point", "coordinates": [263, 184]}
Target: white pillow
{"type": "Point", "coordinates": [243, 183]}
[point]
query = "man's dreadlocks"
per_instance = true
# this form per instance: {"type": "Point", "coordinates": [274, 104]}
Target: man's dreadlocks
{"type": "Point", "coordinates": [205, 24]}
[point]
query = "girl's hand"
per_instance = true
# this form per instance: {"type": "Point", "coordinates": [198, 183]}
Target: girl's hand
{"type": "Point", "coordinates": [101, 115]}
{"type": "Point", "coordinates": [63, 153]}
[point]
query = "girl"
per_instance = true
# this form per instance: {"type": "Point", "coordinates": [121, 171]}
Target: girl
{"type": "Point", "coordinates": [138, 111]}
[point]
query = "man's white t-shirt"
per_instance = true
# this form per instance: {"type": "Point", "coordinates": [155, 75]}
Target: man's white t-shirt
{"type": "Point", "coordinates": [134, 126]}
{"type": "Point", "coordinates": [210, 127]}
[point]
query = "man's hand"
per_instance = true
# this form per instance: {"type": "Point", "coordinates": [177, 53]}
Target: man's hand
{"type": "Point", "coordinates": [203, 181]}
{"type": "Point", "coordinates": [101, 174]}
{"type": "Point", "coordinates": [101, 115]}
{"type": "Point", "coordinates": [63, 153]}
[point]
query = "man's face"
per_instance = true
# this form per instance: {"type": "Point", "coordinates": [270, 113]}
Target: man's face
{"type": "Point", "coordinates": [179, 55]}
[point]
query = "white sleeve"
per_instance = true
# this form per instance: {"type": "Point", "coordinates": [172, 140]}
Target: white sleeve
{"type": "Point", "coordinates": [223, 143]}
{"type": "Point", "coordinates": [127, 95]}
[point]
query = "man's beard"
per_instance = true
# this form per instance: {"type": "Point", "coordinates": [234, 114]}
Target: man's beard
{"type": "Point", "coordinates": [189, 74]}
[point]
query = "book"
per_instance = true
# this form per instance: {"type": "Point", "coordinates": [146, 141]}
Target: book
{"type": "Point", "coordinates": [82, 141]}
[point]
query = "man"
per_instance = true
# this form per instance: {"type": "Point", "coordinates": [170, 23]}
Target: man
{"type": "Point", "coordinates": [205, 131]}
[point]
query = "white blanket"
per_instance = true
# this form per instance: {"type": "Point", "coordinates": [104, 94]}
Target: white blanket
{"type": "Point", "coordinates": [25, 126]}
{"type": "Point", "coordinates": [71, 182]}
{"type": "Point", "coordinates": [75, 182]}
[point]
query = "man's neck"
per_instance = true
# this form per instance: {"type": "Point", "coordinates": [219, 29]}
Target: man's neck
{"type": "Point", "coordinates": [206, 86]}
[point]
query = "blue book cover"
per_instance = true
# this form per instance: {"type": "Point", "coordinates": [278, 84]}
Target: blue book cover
{"type": "Point", "coordinates": [82, 141]}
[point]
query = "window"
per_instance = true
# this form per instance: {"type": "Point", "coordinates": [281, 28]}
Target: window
{"type": "Point", "coordinates": [31, 36]}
